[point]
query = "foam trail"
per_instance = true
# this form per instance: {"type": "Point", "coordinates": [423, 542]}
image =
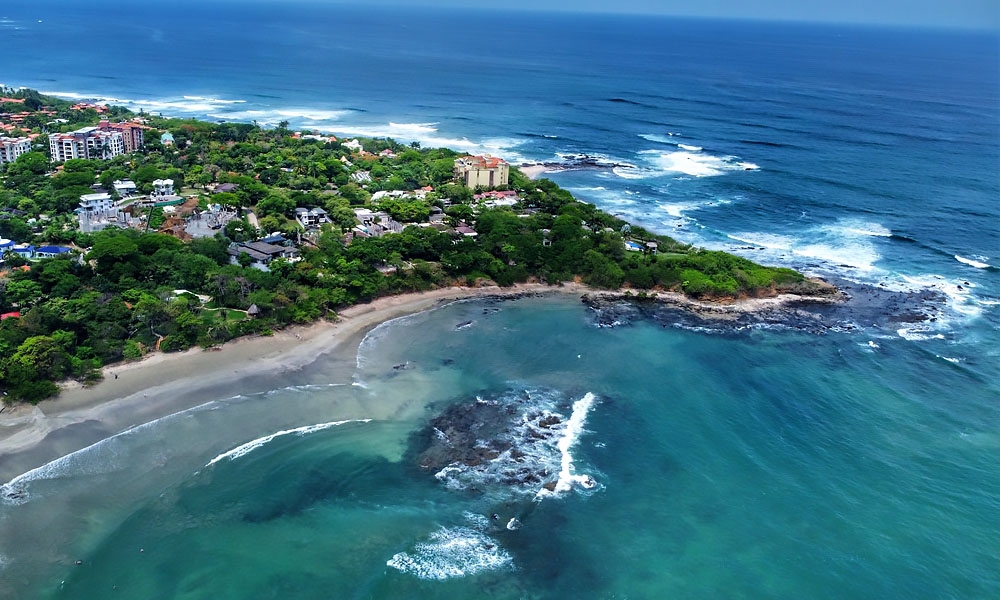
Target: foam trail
{"type": "Point", "coordinates": [257, 443]}
{"type": "Point", "coordinates": [972, 263]}
{"type": "Point", "coordinates": [574, 427]}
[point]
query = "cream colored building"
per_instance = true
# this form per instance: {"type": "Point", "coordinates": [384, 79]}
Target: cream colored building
{"type": "Point", "coordinates": [485, 171]}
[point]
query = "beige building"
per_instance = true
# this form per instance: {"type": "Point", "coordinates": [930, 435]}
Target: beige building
{"type": "Point", "coordinates": [485, 171]}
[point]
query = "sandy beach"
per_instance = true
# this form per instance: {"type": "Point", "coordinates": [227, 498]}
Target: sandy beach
{"type": "Point", "coordinates": [162, 384]}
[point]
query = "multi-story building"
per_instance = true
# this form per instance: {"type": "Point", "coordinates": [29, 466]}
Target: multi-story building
{"type": "Point", "coordinates": [163, 188]}
{"type": "Point", "coordinates": [87, 142]}
{"type": "Point", "coordinates": [11, 148]}
{"type": "Point", "coordinates": [132, 134]}
{"type": "Point", "coordinates": [485, 171]}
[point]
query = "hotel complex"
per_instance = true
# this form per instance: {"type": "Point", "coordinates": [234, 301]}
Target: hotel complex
{"type": "Point", "coordinates": [107, 140]}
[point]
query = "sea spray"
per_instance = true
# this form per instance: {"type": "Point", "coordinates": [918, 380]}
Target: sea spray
{"type": "Point", "coordinates": [574, 427]}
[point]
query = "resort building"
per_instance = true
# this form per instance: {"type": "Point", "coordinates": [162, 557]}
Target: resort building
{"type": "Point", "coordinates": [86, 142]}
{"type": "Point", "coordinates": [485, 171]}
{"type": "Point", "coordinates": [132, 135]}
{"type": "Point", "coordinates": [11, 148]}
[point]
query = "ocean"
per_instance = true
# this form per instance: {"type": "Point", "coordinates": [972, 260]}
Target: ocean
{"type": "Point", "coordinates": [685, 460]}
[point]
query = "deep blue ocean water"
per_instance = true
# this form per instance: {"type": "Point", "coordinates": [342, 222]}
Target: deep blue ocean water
{"type": "Point", "coordinates": [757, 463]}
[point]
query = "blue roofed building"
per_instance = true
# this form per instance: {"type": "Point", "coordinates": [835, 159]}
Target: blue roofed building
{"type": "Point", "coordinates": [51, 251]}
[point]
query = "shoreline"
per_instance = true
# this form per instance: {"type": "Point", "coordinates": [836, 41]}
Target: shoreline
{"type": "Point", "coordinates": [163, 384]}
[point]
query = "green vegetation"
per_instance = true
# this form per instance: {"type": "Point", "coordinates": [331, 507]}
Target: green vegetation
{"type": "Point", "coordinates": [117, 299]}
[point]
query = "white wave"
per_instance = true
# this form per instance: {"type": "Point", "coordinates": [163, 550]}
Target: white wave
{"type": "Point", "coordinates": [257, 443]}
{"type": "Point", "coordinates": [918, 334]}
{"type": "Point", "coordinates": [695, 164]}
{"type": "Point", "coordinates": [959, 294]}
{"type": "Point", "coordinates": [214, 100]}
{"type": "Point", "coordinates": [865, 228]}
{"type": "Point", "coordinates": [574, 427]}
{"type": "Point", "coordinates": [954, 361]}
{"type": "Point", "coordinates": [858, 256]}
{"type": "Point", "coordinates": [772, 241]}
{"type": "Point", "coordinates": [653, 137]}
{"type": "Point", "coordinates": [690, 148]}
{"type": "Point", "coordinates": [626, 173]}
{"type": "Point", "coordinates": [428, 136]}
{"type": "Point", "coordinates": [105, 459]}
{"type": "Point", "coordinates": [452, 552]}
{"type": "Point", "coordinates": [979, 264]}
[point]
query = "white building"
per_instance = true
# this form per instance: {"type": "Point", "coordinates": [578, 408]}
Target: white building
{"type": "Point", "coordinates": [163, 187]}
{"type": "Point", "coordinates": [11, 148]}
{"type": "Point", "coordinates": [96, 203]}
{"type": "Point", "coordinates": [125, 188]}
{"type": "Point", "coordinates": [86, 142]}
{"type": "Point", "coordinates": [311, 217]}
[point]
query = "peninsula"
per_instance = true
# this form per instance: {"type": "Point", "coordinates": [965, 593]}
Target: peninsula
{"type": "Point", "coordinates": [126, 234]}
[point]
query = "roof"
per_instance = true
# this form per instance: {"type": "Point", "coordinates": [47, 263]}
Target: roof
{"type": "Point", "coordinates": [274, 239]}
{"type": "Point", "coordinates": [53, 249]}
{"type": "Point", "coordinates": [10, 315]}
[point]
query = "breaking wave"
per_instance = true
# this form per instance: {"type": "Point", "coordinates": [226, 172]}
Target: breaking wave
{"type": "Point", "coordinates": [452, 552]}
{"type": "Point", "coordinates": [978, 262]}
{"type": "Point", "coordinates": [692, 161]}
{"type": "Point", "coordinates": [249, 447]}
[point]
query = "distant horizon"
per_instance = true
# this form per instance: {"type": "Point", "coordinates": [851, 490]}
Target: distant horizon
{"type": "Point", "coordinates": [962, 15]}
{"type": "Point", "coordinates": [978, 15]}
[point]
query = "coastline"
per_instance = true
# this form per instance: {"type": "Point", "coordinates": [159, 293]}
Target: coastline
{"type": "Point", "coordinates": [162, 384]}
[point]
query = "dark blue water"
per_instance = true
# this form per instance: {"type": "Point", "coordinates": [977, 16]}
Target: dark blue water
{"type": "Point", "coordinates": [758, 463]}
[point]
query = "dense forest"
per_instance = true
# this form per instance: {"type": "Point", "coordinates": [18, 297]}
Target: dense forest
{"type": "Point", "coordinates": [124, 292]}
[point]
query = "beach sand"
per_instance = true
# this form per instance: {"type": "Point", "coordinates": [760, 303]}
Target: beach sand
{"type": "Point", "coordinates": [162, 384]}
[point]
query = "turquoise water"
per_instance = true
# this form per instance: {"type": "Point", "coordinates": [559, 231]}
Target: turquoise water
{"type": "Point", "coordinates": [755, 463]}
{"type": "Point", "coordinates": [759, 463]}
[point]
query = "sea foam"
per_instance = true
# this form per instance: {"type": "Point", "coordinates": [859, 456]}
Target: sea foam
{"type": "Point", "coordinates": [452, 552]}
{"type": "Point", "coordinates": [574, 427]}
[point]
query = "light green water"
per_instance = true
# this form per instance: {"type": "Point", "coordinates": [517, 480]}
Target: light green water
{"type": "Point", "coordinates": [757, 464]}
